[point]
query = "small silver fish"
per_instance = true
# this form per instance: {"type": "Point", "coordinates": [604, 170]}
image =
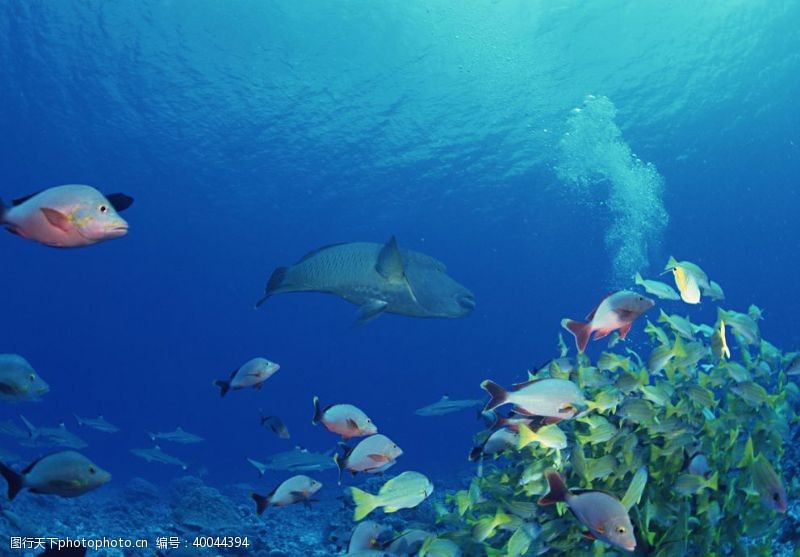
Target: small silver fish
{"type": "Point", "coordinates": [157, 455]}
{"type": "Point", "coordinates": [176, 436]}
{"type": "Point", "coordinates": [99, 423]}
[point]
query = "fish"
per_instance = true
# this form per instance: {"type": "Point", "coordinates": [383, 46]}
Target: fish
{"type": "Point", "coordinates": [51, 436]}
{"type": "Point", "coordinates": [378, 278]}
{"type": "Point", "coordinates": [297, 489]}
{"type": "Point", "coordinates": [368, 535]}
{"type": "Point", "coordinates": [176, 436]}
{"type": "Point", "coordinates": [157, 455]}
{"type": "Point", "coordinates": [276, 425]}
{"type": "Point", "coordinates": [657, 288]}
{"type": "Point", "coordinates": [446, 405]}
{"type": "Point", "coordinates": [440, 547]}
{"type": "Point", "coordinates": [345, 419]}
{"type": "Point", "coordinates": [549, 436]}
{"type": "Point", "coordinates": [252, 373]}
{"type": "Point", "coordinates": [719, 344]}
{"type": "Point", "coordinates": [742, 325]}
{"type": "Point", "coordinates": [602, 513]}
{"type": "Point", "coordinates": [485, 527]}
{"type": "Point", "coordinates": [616, 311]}
{"type": "Point", "coordinates": [769, 485]}
{"type": "Point", "coordinates": [793, 367]}
{"type": "Point", "coordinates": [405, 491]}
{"type": "Point", "coordinates": [300, 459]}
{"type": "Point", "coordinates": [551, 397]}
{"type": "Point", "coordinates": [19, 381]}
{"type": "Point", "coordinates": [65, 473]}
{"type": "Point", "coordinates": [698, 465]}
{"type": "Point", "coordinates": [714, 291]}
{"type": "Point", "coordinates": [689, 278]}
{"type": "Point", "coordinates": [99, 423]}
{"type": "Point", "coordinates": [496, 443]}
{"type": "Point", "coordinates": [372, 455]}
{"type": "Point", "coordinates": [408, 542]}
{"type": "Point", "coordinates": [67, 216]}
{"type": "Point", "coordinates": [663, 354]}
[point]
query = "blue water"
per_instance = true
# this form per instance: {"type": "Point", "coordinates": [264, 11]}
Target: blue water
{"type": "Point", "coordinates": [252, 132]}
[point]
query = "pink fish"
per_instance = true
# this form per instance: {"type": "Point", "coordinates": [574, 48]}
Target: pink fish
{"type": "Point", "coordinates": [296, 489]}
{"type": "Point", "coordinates": [616, 311]}
{"type": "Point", "coordinates": [372, 455]}
{"type": "Point", "coordinates": [67, 216]}
{"type": "Point", "coordinates": [345, 419]}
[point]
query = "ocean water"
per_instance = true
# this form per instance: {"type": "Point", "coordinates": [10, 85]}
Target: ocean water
{"type": "Point", "coordinates": [544, 151]}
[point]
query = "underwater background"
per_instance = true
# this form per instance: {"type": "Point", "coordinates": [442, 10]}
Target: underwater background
{"type": "Point", "coordinates": [544, 151]}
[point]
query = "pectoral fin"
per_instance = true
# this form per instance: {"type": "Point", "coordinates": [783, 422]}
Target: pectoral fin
{"type": "Point", "coordinates": [378, 457]}
{"type": "Point", "coordinates": [57, 219]}
{"type": "Point", "coordinates": [370, 310]}
{"type": "Point", "coordinates": [390, 262]}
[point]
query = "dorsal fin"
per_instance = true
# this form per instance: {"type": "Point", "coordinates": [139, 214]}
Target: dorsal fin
{"type": "Point", "coordinates": [21, 200]}
{"type": "Point", "coordinates": [390, 262]}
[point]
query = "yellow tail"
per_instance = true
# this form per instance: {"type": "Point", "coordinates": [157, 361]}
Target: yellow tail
{"type": "Point", "coordinates": [365, 503]}
{"type": "Point", "coordinates": [526, 437]}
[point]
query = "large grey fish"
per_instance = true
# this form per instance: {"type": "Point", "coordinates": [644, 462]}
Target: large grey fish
{"type": "Point", "coordinates": [157, 455]}
{"type": "Point", "coordinates": [379, 278]}
{"type": "Point", "coordinates": [18, 380]}
{"type": "Point", "coordinates": [446, 405]}
{"type": "Point", "coordinates": [99, 423]}
{"type": "Point", "coordinates": [300, 460]}
{"type": "Point", "coordinates": [51, 436]}
{"type": "Point", "coordinates": [176, 436]}
{"type": "Point", "coordinates": [67, 473]}
{"type": "Point", "coordinates": [68, 216]}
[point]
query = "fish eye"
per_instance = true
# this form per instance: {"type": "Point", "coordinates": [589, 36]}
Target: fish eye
{"type": "Point", "coordinates": [621, 530]}
{"type": "Point", "coordinates": [32, 376]}
{"type": "Point", "coordinates": [92, 470]}
{"type": "Point", "coordinates": [103, 209]}
{"type": "Point", "coordinates": [776, 497]}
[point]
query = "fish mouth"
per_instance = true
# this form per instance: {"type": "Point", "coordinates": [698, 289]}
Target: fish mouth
{"type": "Point", "coordinates": [467, 302]}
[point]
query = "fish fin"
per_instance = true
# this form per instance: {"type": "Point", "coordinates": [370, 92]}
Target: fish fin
{"type": "Point", "coordinates": [317, 412]}
{"type": "Point", "coordinates": [57, 219]}
{"type": "Point", "coordinates": [21, 200]}
{"type": "Point", "coordinates": [341, 462]}
{"type": "Point", "coordinates": [390, 262]}
{"type": "Point", "coordinates": [15, 481]}
{"type": "Point", "coordinates": [365, 503]}
{"type": "Point", "coordinates": [558, 489]}
{"type": "Point", "coordinates": [581, 332]}
{"type": "Point", "coordinates": [526, 436]}
{"type": "Point", "coordinates": [498, 394]}
{"type": "Point", "coordinates": [623, 331]}
{"type": "Point", "coordinates": [119, 201]}
{"type": "Point", "coordinates": [224, 386]}
{"type": "Point", "coordinates": [3, 210]}
{"type": "Point", "coordinates": [275, 282]}
{"type": "Point", "coordinates": [391, 509]}
{"type": "Point", "coordinates": [601, 333]}
{"type": "Point", "coordinates": [262, 502]}
{"type": "Point", "coordinates": [352, 423]}
{"type": "Point", "coordinates": [78, 419]}
{"type": "Point", "coordinates": [378, 457]}
{"type": "Point", "coordinates": [152, 437]}
{"type": "Point", "coordinates": [10, 229]}
{"type": "Point", "coordinates": [32, 431]}
{"type": "Point", "coordinates": [475, 453]}
{"type": "Point", "coordinates": [369, 311]}
{"type": "Point", "coordinates": [588, 535]}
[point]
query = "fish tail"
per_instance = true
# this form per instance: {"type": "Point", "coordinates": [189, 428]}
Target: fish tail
{"type": "Point", "coordinates": [526, 436]}
{"type": "Point", "coordinates": [498, 394]}
{"type": "Point", "coordinates": [475, 453]}
{"type": "Point", "coordinates": [274, 283]}
{"type": "Point", "coordinates": [15, 481]}
{"type": "Point", "coordinates": [224, 386]}
{"type": "Point", "coordinates": [581, 332]}
{"type": "Point", "coordinates": [558, 489]}
{"type": "Point", "coordinates": [152, 436]}
{"type": "Point", "coordinates": [365, 503]}
{"type": "Point", "coordinates": [317, 412]}
{"type": "Point", "coordinates": [262, 502]}
{"type": "Point", "coordinates": [2, 210]}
